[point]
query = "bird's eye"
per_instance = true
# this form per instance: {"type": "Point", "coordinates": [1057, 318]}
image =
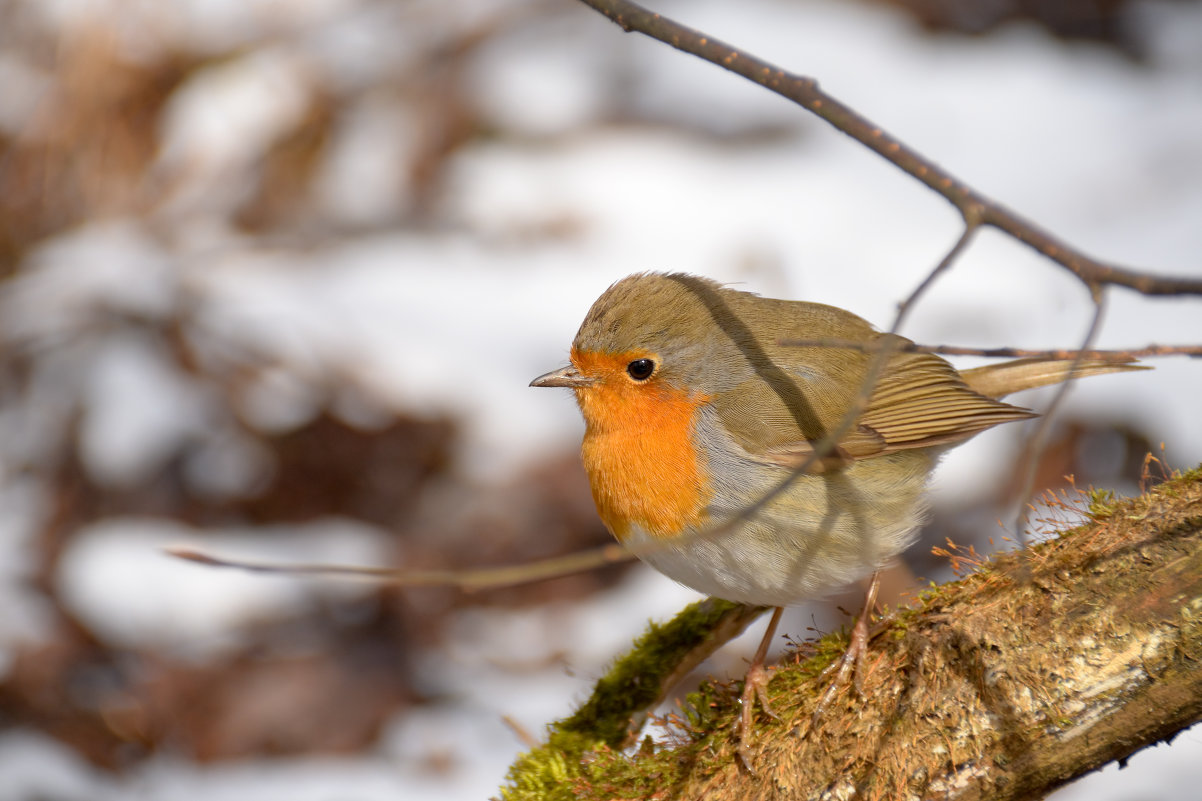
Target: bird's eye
{"type": "Point", "coordinates": [640, 369]}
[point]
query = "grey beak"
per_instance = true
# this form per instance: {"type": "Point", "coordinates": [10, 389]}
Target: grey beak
{"type": "Point", "coordinates": [564, 377]}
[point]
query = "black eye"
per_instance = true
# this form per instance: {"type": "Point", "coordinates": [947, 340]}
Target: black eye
{"type": "Point", "coordinates": [640, 369]}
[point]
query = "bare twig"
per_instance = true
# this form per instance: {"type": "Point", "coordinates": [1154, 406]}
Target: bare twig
{"type": "Point", "coordinates": [974, 207]}
{"type": "Point", "coordinates": [1121, 355]}
{"type": "Point", "coordinates": [1038, 439]}
{"type": "Point", "coordinates": [971, 226]}
{"type": "Point", "coordinates": [466, 579]}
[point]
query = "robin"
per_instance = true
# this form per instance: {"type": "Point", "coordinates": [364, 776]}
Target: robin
{"type": "Point", "coordinates": [694, 410]}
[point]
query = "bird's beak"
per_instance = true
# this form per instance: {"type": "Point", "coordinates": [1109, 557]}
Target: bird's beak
{"type": "Point", "coordinates": [564, 377]}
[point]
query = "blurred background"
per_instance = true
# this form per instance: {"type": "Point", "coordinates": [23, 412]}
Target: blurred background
{"type": "Point", "coordinates": [274, 276]}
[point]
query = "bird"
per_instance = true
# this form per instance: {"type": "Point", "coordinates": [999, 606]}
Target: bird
{"type": "Point", "coordinates": [704, 434]}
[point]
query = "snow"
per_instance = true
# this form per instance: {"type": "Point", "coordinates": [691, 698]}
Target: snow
{"type": "Point", "coordinates": [119, 581]}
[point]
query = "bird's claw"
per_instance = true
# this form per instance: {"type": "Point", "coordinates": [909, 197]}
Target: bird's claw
{"type": "Point", "coordinates": [755, 688]}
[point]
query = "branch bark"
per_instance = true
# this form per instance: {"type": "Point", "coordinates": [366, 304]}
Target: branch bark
{"type": "Point", "coordinates": [995, 687]}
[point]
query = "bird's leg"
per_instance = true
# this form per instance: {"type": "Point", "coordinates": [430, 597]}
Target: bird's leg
{"type": "Point", "coordinates": [755, 687]}
{"type": "Point", "coordinates": [853, 657]}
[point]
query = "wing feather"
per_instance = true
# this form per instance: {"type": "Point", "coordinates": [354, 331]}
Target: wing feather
{"type": "Point", "coordinates": [920, 401]}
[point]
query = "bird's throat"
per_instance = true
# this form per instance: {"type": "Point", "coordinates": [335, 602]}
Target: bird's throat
{"type": "Point", "coordinates": [642, 464]}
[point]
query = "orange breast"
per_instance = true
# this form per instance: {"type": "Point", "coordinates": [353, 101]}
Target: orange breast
{"type": "Point", "coordinates": [637, 450]}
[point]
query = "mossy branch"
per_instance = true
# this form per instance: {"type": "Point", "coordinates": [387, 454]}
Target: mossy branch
{"type": "Point", "coordinates": [996, 686]}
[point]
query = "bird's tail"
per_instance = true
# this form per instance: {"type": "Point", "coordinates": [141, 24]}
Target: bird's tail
{"type": "Point", "coordinates": [999, 380]}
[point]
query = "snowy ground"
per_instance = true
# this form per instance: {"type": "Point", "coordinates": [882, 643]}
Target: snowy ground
{"type": "Point", "coordinates": [1103, 152]}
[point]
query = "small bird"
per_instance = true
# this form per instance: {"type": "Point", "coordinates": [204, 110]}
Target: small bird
{"type": "Point", "coordinates": [694, 410]}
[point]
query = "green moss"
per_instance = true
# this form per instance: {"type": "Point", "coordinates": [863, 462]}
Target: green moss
{"type": "Point", "coordinates": [580, 749]}
{"type": "Point", "coordinates": [549, 772]}
{"type": "Point", "coordinates": [636, 680]}
{"type": "Point", "coordinates": [1101, 504]}
{"type": "Point", "coordinates": [1193, 474]}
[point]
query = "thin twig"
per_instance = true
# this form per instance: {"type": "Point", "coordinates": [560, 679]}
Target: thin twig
{"type": "Point", "coordinates": [1121, 355]}
{"type": "Point", "coordinates": [468, 579]}
{"type": "Point", "coordinates": [1037, 442]}
{"type": "Point", "coordinates": [973, 206]}
{"type": "Point", "coordinates": [971, 224]}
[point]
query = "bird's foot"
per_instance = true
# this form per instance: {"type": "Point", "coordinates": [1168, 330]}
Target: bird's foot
{"type": "Point", "coordinates": [852, 661]}
{"type": "Point", "coordinates": [755, 688]}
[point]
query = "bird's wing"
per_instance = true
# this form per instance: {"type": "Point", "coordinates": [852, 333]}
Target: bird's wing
{"type": "Point", "coordinates": [919, 401]}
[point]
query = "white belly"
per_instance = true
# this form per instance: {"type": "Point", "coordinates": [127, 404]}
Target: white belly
{"type": "Point", "coordinates": [822, 534]}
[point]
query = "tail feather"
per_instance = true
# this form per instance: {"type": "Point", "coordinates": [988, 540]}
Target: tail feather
{"type": "Point", "coordinates": [999, 380]}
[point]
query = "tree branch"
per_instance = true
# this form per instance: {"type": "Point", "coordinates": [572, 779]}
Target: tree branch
{"type": "Point", "coordinates": [994, 688]}
{"type": "Point", "coordinates": [974, 207]}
